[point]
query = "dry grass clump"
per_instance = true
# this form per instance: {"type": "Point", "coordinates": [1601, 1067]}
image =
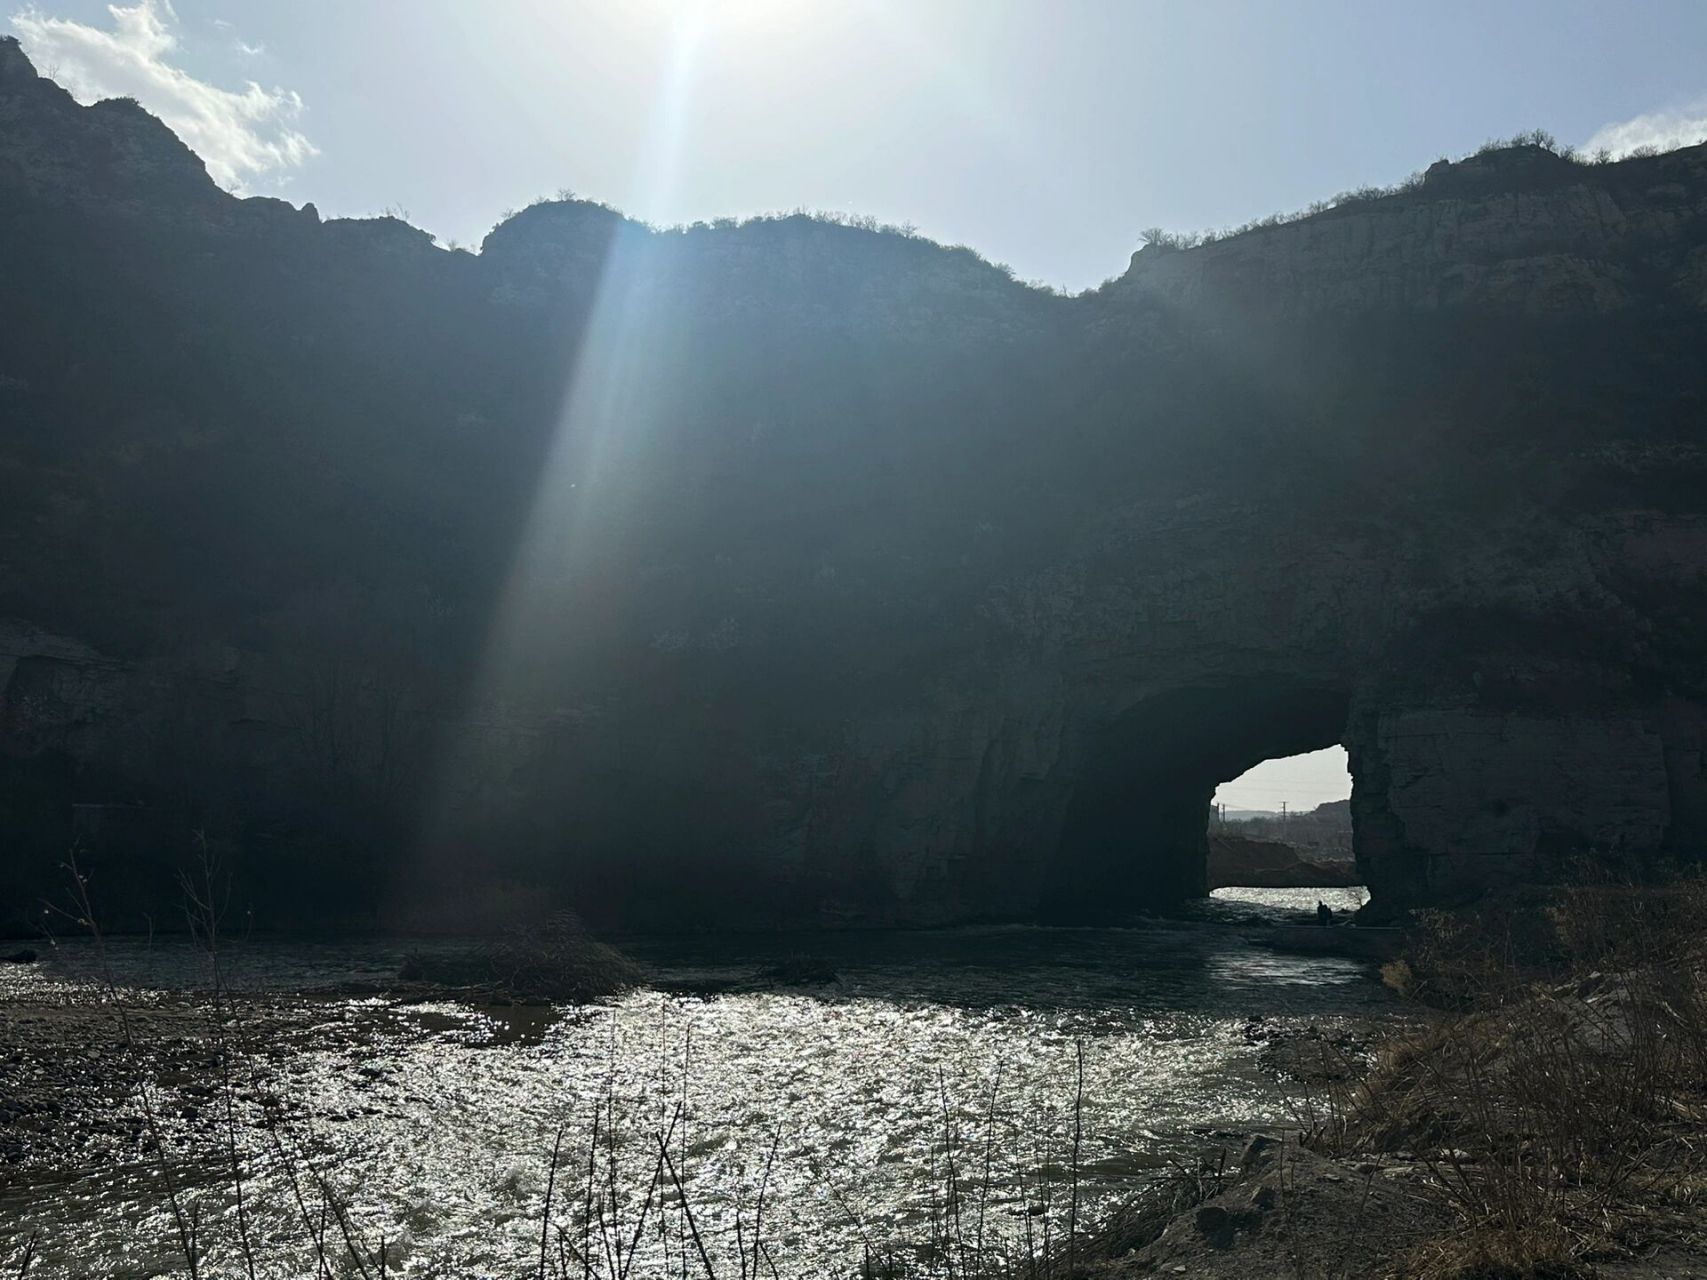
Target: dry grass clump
{"type": "Point", "coordinates": [1468, 958]}
{"type": "Point", "coordinates": [555, 960]}
{"type": "Point", "coordinates": [1560, 1106]}
{"type": "Point", "coordinates": [1619, 924]}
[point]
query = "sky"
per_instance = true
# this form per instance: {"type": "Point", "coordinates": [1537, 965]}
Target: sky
{"type": "Point", "coordinates": [1298, 782]}
{"type": "Point", "coordinates": [1044, 134]}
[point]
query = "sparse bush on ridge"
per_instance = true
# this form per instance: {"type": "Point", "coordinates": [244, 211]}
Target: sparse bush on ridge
{"type": "Point", "coordinates": [1162, 238]}
{"type": "Point", "coordinates": [862, 222]}
{"type": "Point", "coordinates": [1154, 237]}
{"type": "Point", "coordinates": [1528, 138]}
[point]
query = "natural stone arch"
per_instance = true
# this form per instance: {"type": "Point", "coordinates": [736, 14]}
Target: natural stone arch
{"type": "Point", "coordinates": [1133, 832]}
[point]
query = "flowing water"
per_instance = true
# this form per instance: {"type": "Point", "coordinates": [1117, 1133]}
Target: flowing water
{"type": "Point", "coordinates": [846, 1102]}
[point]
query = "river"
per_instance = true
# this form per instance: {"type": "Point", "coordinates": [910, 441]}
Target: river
{"type": "Point", "coordinates": [847, 1101]}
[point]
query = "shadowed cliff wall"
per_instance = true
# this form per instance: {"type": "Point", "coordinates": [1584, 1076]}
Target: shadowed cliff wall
{"type": "Point", "coordinates": [803, 572]}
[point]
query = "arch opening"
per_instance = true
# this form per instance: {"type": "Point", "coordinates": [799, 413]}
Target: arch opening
{"type": "Point", "coordinates": [1135, 832]}
{"type": "Point", "coordinates": [1285, 824]}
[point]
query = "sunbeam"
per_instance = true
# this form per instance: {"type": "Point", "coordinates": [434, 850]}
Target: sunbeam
{"type": "Point", "coordinates": [614, 394]}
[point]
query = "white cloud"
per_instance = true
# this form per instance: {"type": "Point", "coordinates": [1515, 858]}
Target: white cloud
{"type": "Point", "coordinates": [241, 135]}
{"type": "Point", "coordinates": [1661, 130]}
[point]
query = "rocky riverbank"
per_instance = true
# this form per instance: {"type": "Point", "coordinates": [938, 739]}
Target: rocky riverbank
{"type": "Point", "coordinates": [1333, 1200]}
{"type": "Point", "coordinates": [1249, 862]}
{"type": "Point", "coordinates": [70, 1063]}
{"type": "Point", "coordinates": [1539, 1117]}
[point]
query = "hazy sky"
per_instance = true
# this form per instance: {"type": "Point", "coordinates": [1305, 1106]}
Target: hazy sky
{"type": "Point", "coordinates": [1043, 134]}
{"type": "Point", "coordinates": [1302, 782]}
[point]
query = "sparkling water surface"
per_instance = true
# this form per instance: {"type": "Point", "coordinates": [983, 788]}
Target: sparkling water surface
{"type": "Point", "coordinates": [435, 1123]}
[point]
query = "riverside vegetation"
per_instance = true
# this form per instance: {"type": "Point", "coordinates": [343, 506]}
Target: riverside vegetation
{"type": "Point", "coordinates": [1539, 1113]}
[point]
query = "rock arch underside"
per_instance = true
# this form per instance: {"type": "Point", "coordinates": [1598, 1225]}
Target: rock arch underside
{"type": "Point", "coordinates": [803, 573]}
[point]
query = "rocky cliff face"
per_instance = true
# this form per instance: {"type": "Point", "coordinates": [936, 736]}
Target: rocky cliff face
{"type": "Point", "coordinates": [805, 572]}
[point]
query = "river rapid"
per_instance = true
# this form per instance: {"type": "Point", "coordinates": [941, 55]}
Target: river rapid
{"type": "Point", "coordinates": [918, 1086]}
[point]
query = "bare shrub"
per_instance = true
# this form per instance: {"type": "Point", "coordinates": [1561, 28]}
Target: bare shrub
{"type": "Point", "coordinates": [1558, 1103]}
